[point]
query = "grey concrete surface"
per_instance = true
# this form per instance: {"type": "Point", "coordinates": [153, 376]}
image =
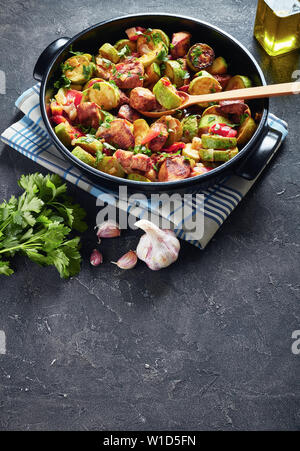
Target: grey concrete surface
{"type": "Point", "coordinates": [202, 345]}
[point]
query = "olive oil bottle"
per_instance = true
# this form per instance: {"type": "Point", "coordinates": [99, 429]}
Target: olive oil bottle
{"type": "Point", "coordinates": [277, 25]}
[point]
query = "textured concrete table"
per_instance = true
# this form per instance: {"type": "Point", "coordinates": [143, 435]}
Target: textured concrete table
{"type": "Point", "coordinates": [204, 344]}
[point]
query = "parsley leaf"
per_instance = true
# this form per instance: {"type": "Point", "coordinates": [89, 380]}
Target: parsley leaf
{"type": "Point", "coordinates": [74, 53]}
{"type": "Point", "coordinates": [38, 223]}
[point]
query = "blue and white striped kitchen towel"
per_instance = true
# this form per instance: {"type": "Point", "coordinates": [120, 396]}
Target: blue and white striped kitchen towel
{"type": "Point", "coordinates": [29, 137]}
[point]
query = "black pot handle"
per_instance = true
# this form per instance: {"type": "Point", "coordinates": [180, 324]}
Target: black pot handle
{"type": "Point", "coordinates": [261, 155]}
{"type": "Point", "coordinates": [47, 56]}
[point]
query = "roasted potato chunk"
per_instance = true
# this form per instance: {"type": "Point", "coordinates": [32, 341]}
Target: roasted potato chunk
{"type": "Point", "coordinates": [142, 99]}
{"type": "Point", "coordinates": [174, 168]}
{"type": "Point", "coordinates": [118, 133]}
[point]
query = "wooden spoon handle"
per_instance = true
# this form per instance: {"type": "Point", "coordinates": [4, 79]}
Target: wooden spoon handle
{"type": "Point", "coordinates": [256, 92]}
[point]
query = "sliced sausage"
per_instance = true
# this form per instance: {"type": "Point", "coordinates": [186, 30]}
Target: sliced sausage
{"type": "Point", "coordinates": [232, 107]}
{"type": "Point", "coordinates": [129, 74]}
{"type": "Point", "coordinates": [158, 143]}
{"type": "Point", "coordinates": [129, 161]}
{"type": "Point", "coordinates": [142, 99]}
{"type": "Point", "coordinates": [223, 79]}
{"type": "Point", "coordinates": [124, 100]}
{"type": "Point", "coordinates": [117, 133]}
{"type": "Point", "coordinates": [128, 113]}
{"type": "Point", "coordinates": [174, 168]}
{"type": "Point", "coordinates": [180, 44]}
{"type": "Point", "coordinates": [88, 114]}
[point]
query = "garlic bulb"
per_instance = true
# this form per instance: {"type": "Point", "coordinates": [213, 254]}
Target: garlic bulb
{"type": "Point", "coordinates": [127, 261]}
{"type": "Point", "coordinates": [108, 229]}
{"type": "Point", "coordinates": [157, 248]}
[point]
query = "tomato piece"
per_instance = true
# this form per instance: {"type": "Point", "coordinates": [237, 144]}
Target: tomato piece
{"type": "Point", "coordinates": [58, 119]}
{"type": "Point", "coordinates": [174, 147]}
{"type": "Point", "coordinates": [223, 130]}
{"type": "Point", "coordinates": [151, 135]}
{"type": "Point", "coordinates": [74, 96]}
{"type": "Point", "coordinates": [166, 82]}
{"type": "Point", "coordinates": [134, 32]}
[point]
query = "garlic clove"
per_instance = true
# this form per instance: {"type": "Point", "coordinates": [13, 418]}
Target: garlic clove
{"type": "Point", "coordinates": [108, 229]}
{"type": "Point", "coordinates": [96, 258]}
{"type": "Point", "coordinates": [127, 261]}
{"type": "Point", "coordinates": [157, 248]}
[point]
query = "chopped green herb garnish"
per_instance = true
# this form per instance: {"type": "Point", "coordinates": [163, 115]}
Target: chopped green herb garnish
{"type": "Point", "coordinates": [66, 66]}
{"type": "Point", "coordinates": [74, 53]}
{"type": "Point", "coordinates": [97, 86]}
{"type": "Point", "coordinates": [124, 51]}
{"type": "Point", "coordinates": [63, 82]}
{"type": "Point", "coordinates": [86, 70]}
{"type": "Point", "coordinates": [38, 225]}
{"type": "Point", "coordinates": [99, 156]}
{"type": "Point", "coordinates": [142, 149]}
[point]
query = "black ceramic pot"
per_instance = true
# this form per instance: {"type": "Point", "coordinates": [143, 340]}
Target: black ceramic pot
{"type": "Point", "coordinates": [249, 160]}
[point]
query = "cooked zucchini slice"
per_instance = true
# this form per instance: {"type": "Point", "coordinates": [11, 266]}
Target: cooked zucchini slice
{"type": "Point", "coordinates": [78, 69]}
{"type": "Point", "coordinates": [200, 56]}
{"type": "Point", "coordinates": [166, 94]}
{"type": "Point", "coordinates": [218, 67]}
{"type": "Point", "coordinates": [175, 73]}
{"type": "Point", "coordinates": [88, 143]}
{"type": "Point", "coordinates": [246, 131]}
{"type": "Point", "coordinates": [84, 156]}
{"type": "Point", "coordinates": [204, 83]}
{"type": "Point", "coordinates": [123, 42]}
{"type": "Point", "coordinates": [105, 95]}
{"type": "Point", "coordinates": [209, 120]}
{"type": "Point", "coordinates": [190, 128]}
{"type": "Point", "coordinates": [158, 35]}
{"type": "Point", "coordinates": [218, 142]}
{"type": "Point", "coordinates": [62, 131]}
{"type": "Point", "coordinates": [217, 155]}
{"type": "Point", "coordinates": [138, 178]}
{"type": "Point", "coordinates": [111, 166]}
{"type": "Point", "coordinates": [109, 52]}
{"type": "Point", "coordinates": [152, 75]}
{"type": "Point", "coordinates": [238, 82]}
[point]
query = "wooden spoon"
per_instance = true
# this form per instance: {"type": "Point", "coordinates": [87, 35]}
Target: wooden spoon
{"type": "Point", "coordinates": [257, 92]}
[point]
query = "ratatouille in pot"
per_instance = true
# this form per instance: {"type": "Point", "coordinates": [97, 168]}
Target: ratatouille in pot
{"type": "Point", "coordinates": [95, 106]}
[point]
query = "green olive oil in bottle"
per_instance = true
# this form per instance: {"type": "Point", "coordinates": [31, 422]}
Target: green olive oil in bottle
{"type": "Point", "coordinates": [277, 25]}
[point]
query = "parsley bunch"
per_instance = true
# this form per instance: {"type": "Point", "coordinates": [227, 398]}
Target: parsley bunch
{"type": "Point", "coordinates": [38, 224]}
